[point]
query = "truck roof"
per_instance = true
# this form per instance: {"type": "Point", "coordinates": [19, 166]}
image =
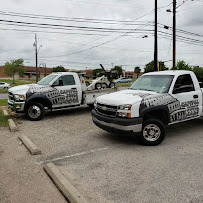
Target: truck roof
{"type": "Point", "coordinates": [64, 73]}
{"type": "Point", "coordinates": [169, 72]}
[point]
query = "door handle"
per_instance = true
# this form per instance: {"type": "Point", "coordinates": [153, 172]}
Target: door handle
{"type": "Point", "coordinates": [195, 96]}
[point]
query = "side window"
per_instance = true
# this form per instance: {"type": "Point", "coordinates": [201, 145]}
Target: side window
{"type": "Point", "coordinates": [184, 83]}
{"type": "Point", "coordinates": [68, 80]}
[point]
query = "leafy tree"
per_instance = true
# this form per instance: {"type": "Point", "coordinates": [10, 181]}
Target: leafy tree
{"type": "Point", "coordinates": [150, 67]}
{"type": "Point", "coordinates": [13, 67]}
{"type": "Point", "coordinates": [181, 65]}
{"type": "Point", "coordinates": [97, 72]}
{"type": "Point", "coordinates": [137, 70]}
{"type": "Point", "coordinates": [199, 73]}
{"type": "Point", "coordinates": [162, 66]}
{"type": "Point", "coordinates": [59, 69]}
{"type": "Point", "coordinates": [118, 69]}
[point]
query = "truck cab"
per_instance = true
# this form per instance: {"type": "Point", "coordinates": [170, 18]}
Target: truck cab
{"type": "Point", "coordinates": [152, 102]}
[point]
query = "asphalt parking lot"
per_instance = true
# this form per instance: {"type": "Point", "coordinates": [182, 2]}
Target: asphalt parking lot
{"type": "Point", "coordinates": [106, 167]}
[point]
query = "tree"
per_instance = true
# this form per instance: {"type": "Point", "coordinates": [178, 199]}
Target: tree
{"type": "Point", "coordinates": [199, 73]}
{"type": "Point", "coordinates": [162, 66]}
{"type": "Point", "coordinates": [118, 69]}
{"type": "Point", "coordinates": [150, 67]}
{"type": "Point", "coordinates": [59, 69]}
{"type": "Point", "coordinates": [137, 70]}
{"type": "Point", "coordinates": [181, 65]}
{"type": "Point", "coordinates": [13, 67]}
{"type": "Point", "coordinates": [97, 72]}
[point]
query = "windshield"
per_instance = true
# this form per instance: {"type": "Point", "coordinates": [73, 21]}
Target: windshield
{"type": "Point", "coordinates": [46, 80]}
{"type": "Point", "coordinates": [155, 83]}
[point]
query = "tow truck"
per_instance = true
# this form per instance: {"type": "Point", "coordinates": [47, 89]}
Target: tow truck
{"type": "Point", "coordinates": [54, 92]}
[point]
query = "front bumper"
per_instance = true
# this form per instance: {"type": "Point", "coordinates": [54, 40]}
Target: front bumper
{"type": "Point", "coordinates": [115, 125]}
{"type": "Point", "coordinates": [16, 106]}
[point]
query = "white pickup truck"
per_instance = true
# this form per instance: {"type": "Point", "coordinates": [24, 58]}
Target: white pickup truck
{"type": "Point", "coordinates": [55, 91]}
{"type": "Point", "coordinates": [152, 102]}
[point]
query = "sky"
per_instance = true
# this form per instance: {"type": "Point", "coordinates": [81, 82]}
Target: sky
{"type": "Point", "coordinates": [124, 32]}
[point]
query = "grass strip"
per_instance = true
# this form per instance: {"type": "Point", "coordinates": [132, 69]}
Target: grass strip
{"type": "Point", "coordinates": [3, 102]}
{"type": "Point", "coordinates": [3, 119]}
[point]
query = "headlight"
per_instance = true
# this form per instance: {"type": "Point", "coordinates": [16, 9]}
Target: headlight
{"type": "Point", "coordinates": [125, 107]}
{"type": "Point", "coordinates": [124, 111]}
{"type": "Point", "coordinates": [19, 97]}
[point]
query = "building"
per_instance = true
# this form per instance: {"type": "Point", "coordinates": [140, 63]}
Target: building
{"type": "Point", "coordinates": [132, 74]}
{"type": "Point", "coordinates": [30, 72]}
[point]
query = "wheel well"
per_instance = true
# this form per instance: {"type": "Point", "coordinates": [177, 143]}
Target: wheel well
{"type": "Point", "coordinates": [158, 114]}
{"type": "Point", "coordinates": [44, 102]}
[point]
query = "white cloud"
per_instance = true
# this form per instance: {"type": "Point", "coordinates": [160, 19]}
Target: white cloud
{"type": "Point", "coordinates": [125, 50]}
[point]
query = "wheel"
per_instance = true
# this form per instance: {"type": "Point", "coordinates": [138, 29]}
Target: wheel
{"type": "Point", "coordinates": [153, 132]}
{"type": "Point", "coordinates": [112, 85]}
{"type": "Point", "coordinates": [35, 111]}
{"type": "Point", "coordinates": [98, 86]}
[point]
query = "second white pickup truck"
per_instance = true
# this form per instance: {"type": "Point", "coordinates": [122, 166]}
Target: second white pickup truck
{"type": "Point", "coordinates": [55, 91]}
{"type": "Point", "coordinates": [152, 102]}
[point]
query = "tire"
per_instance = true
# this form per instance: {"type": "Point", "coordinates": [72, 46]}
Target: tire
{"type": "Point", "coordinates": [153, 132]}
{"type": "Point", "coordinates": [98, 86]}
{"type": "Point", "coordinates": [35, 111]}
{"type": "Point", "coordinates": [112, 85]}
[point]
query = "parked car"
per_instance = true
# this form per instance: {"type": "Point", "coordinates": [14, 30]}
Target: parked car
{"type": "Point", "coordinates": [123, 80]}
{"type": "Point", "coordinates": [4, 85]}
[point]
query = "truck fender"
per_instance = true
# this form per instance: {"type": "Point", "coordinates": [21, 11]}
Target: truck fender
{"type": "Point", "coordinates": [162, 109]}
{"type": "Point", "coordinates": [42, 99]}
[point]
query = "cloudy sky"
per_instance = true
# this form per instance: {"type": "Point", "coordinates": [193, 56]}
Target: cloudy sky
{"type": "Point", "coordinates": [80, 34]}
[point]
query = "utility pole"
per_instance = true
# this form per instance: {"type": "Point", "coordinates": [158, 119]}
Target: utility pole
{"type": "Point", "coordinates": [36, 57]}
{"type": "Point", "coordinates": [174, 34]}
{"type": "Point", "coordinates": [155, 40]}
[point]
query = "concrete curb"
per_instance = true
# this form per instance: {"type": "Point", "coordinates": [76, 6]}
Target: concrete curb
{"type": "Point", "coordinates": [66, 188]}
{"type": "Point", "coordinates": [33, 149]}
{"type": "Point", "coordinates": [5, 112]}
{"type": "Point", "coordinates": [13, 127]}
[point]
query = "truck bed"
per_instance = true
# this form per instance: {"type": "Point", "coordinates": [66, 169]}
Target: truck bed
{"type": "Point", "coordinates": [90, 95]}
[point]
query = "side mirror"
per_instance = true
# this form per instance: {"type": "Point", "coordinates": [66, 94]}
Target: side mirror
{"type": "Point", "coordinates": [60, 82]}
{"type": "Point", "coordinates": [175, 91]}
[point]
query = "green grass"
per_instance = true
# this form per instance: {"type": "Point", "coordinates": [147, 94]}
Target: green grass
{"type": "Point", "coordinates": [3, 90]}
{"type": "Point", "coordinates": [3, 119]}
{"type": "Point", "coordinates": [3, 102]}
{"type": "Point", "coordinates": [17, 82]}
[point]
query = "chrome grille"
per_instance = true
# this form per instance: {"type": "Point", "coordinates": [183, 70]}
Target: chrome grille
{"type": "Point", "coordinates": [107, 110]}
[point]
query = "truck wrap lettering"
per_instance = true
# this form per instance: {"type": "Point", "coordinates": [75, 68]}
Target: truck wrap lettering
{"type": "Point", "coordinates": [55, 96]}
{"type": "Point", "coordinates": [178, 111]}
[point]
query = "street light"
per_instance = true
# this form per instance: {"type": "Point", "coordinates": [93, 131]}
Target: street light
{"type": "Point", "coordinates": [43, 65]}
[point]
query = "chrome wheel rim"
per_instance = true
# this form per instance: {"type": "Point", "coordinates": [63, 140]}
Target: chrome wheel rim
{"type": "Point", "coordinates": [99, 86]}
{"type": "Point", "coordinates": [112, 85]}
{"type": "Point", "coordinates": [151, 132]}
{"type": "Point", "coordinates": [34, 111]}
